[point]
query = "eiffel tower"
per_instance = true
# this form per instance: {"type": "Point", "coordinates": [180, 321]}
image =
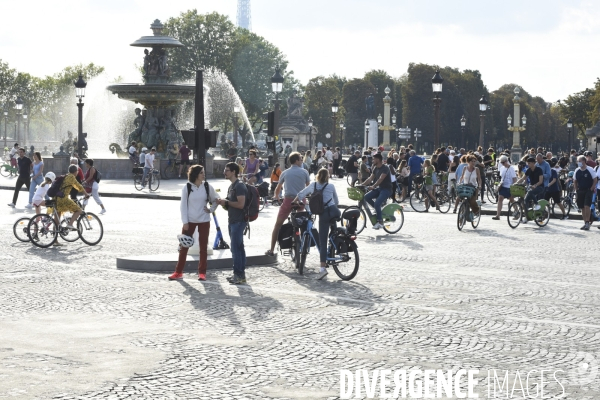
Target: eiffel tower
{"type": "Point", "coordinates": [243, 15]}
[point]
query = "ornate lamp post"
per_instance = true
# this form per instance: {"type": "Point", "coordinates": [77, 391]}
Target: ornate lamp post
{"type": "Point", "coordinates": [18, 107]}
{"type": "Point", "coordinates": [515, 151]}
{"type": "Point", "coordinates": [334, 110]}
{"type": "Point", "coordinates": [26, 127]}
{"type": "Point", "coordinates": [463, 124]}
{"type": "Point", "coordinates": [277, 86]}
{"type": "Point", "coordinates": [80, 85]}
{"type": "Point", "coordinates": [310, 127]}
{"type": "Point", "coordinates": [436, 84]}
{"type": "Point", "coordinates": [342, 127]}
{"type": "Point", "coordinates": [5, 121]}
{"type": "Point", "coordinates": [386, 127]}
{"type": "Point", "coordinates": [483, 104]}
{"type": "Point", "coordinates": [569, 128]}
{"type": "Point", "coordinates": [366, 133]}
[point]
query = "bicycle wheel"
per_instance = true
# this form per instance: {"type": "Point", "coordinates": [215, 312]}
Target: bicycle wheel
{"type": "Point", "coordinates": [303, 252]}
{"type": "Point", "coordinates": [417, 201]}
{"type": "Point", "coordinates": [154, 182]}
{"type": "Point", "coordinates": [261, 203]}
{"type": "Point", "coordinates": [361, 222]}
{"type": "Point", "coordinates": [567, 205]}
{"type": "Point", "coordinates": [170, 171]}
{"type": "Point", "coordinates": [475, 219]}
{"type": "Point", "coordinates": [42, 230]}
{"type": "Point", "coordinates": [515, 214]}
{"type": "Point", "coordinates": [492, 195]}
{"type": "Point", "coordinates": [20, 229]}
{"type": "Point", "coordinates": [349, 179]}
{"type": "Point", "coordinates": [462, 216]}
{"type": "Point", "coordinates": [393, 218]}
{"type": "Point", "coordinates": [348, 267]}
{"type": "Point", "coordinates": [5, 171]}
{"type": "Point", "coordinates": [90, 229]}
{"type": "Point", "coordinates": [295, 250]}
{"type": "Point", "coordinates": [542, 216]}
{"type": "Point", "coordinates": [443, 201]}
{"type": "Point", "coordinates": [67, 234]}
{"type": "Point", "coordinates": [137, 182]}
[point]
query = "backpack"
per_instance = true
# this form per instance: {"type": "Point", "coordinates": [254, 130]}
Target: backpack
{"type": "Point", "coordinates": [55, 189]}
{"type": "Point", "coordinates": [316, 200]}
{"type": "Point", "coordinates": [98, 176]}
{"type": "Point", "coordinates": [251, 206]}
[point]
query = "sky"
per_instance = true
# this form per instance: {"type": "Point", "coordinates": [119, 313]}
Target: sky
{"type": "Point", "coordinates": [548, 47]}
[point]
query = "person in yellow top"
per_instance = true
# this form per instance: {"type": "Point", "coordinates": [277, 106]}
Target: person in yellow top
{"type": "Point", "coordinates": [65, 204]}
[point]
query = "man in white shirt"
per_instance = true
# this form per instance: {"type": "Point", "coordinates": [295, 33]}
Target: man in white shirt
{"type": "Point", "coordinates": [14, 155]}
{"type": "Point", "coordinates": [149, 164]}
{"type": "Point", "coordinates": [329, 155]}
{"type": "Point", "coordinates": [508, 176]}
{"type": "Point", "coordinates": [133, 152]}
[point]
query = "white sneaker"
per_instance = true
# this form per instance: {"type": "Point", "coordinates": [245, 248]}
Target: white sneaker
{"type": "Point", "coordinates": [30, 206]}
{"type": "Point", "coordinates": [11, 205]}
{"type": "Point", "coordinates": [321, 275]}
{"type": "Point", "coordinates": [103, 211]}
{"type": "Point", "coordinates": [377, 226]}
{"type": "Point", "coordinates": [536, 207]}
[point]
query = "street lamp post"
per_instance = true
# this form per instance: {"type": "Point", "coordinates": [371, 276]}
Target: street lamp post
{"type": "Point", "coordinates": [483, 103]}
{"type": "Point", "coordinates": [342, 127]}
{"type": "Point", "coordinates": [417, 135]}
{"type": "Point", "coordinates": [463, 124]}
{"type": "Point", "coordinates": [515, 151]}
{"type": "Point", "coordinates": [5, 121]}
{"type": "Point", "coordinates": [80, 85]}
{"type": "Point", "coordinates": [18, 107]}
{"type": "Point", "coordinates": [277, 86]}
{"type": "Point", "coordinates": [26, 127]}
{"type": "Point", "coordinates": [334, 110]}
{"type": "Point", "coordinates": [436, 84]}
{"type": "Point", "coordinates": [310, 127]}
{"type": "Point", "coordinates": [569, 128]}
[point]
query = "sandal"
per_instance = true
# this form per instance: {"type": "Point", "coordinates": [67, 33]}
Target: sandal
{"type": "Point", "coordinates": [269, 253]}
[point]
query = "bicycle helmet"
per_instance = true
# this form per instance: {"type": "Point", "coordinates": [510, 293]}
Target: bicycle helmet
{"type": "Point", "coordinates": [571, 173]}
{"type": "Point", "coordinates": [145, 149]}
{"type": "Point", "coordinates": [185, 240]}
{"type": "Point", "coordinates": [51, 176]}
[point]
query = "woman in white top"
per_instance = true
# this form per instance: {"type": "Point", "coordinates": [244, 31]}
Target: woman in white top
{"type": "Point", "coordinates": [195, 214]}
{"type": "Point", "coordinates": [330, 203]}
{"type": "Point", "coordinates": [508, 177]}
{"type": "Point", "coordinates": [470, 176]}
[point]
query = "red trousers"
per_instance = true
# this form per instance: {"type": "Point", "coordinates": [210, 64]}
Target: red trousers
{"type": "Point", "coordinates": [203, 230]}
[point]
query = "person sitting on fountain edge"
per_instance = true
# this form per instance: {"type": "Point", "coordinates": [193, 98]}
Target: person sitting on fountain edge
{"type": "Point", "coordinates": [133, 156]}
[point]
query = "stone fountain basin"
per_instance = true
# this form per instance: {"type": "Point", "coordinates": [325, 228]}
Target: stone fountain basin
{"type": "Point", "coordinates": [155, 93]}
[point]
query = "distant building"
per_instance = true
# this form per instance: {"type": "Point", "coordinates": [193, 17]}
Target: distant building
{"type": "Point", "coordinates": [243, 15]}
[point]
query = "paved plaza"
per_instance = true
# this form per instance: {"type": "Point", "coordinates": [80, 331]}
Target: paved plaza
{"type": "Point", "coordinates": [429, 297]}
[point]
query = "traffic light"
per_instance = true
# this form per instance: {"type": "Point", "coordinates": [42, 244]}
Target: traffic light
{"type": "Point", "coordinates": [269, 120]}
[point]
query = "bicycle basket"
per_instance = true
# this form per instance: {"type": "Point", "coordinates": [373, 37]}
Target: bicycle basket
{"type": "Point", "coordinates": [465, 191]}
{"type": "Point", "coordinates": [517, 190]}
{"type": "Point", "coordinates": [355, 194]}
{"type": "Point", "coordinates": [300, 219]}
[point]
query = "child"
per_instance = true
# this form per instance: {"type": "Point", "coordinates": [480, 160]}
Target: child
{"type": "Point", "coordinates": [40, 193]}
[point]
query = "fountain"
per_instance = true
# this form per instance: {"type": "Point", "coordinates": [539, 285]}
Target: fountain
{"type": "Point", "coordinates": [155, 124]}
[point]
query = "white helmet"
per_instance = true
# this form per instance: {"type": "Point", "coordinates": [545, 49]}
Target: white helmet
{"type": "Point", "coordinates": [51, 176]}
{"type": "Point", "coordinates": [185, 240]}
{"type": "Point", "coordinates": [145, 149]}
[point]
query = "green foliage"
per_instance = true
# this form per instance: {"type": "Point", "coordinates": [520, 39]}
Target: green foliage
{"type": "Point", "coordinates": [353, 100]}
{"type": "Point", "coordinates": [320, 93]}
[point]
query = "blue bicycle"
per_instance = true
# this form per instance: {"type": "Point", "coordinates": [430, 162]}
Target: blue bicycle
{"type": "Point", "coordinates": [342, 251]}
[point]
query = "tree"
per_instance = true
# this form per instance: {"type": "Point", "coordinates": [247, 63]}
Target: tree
{"type": "Point", "coordinates": [353, 100]}
{"type": "Point", "coordinates": [320, 92]}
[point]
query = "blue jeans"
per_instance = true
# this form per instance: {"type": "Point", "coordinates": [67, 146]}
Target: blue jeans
{"type": "Point", "coordinates": [534, 195]}
{"type": "Point", "coordinates": [33, 185]}
{"type": "Point", "coordinates": [146, 172]}
{"type": "Point", "coordinates": [381, 195]}
{"type": "Point", "coordinates": [238, 252]}
{"type": "Point", "coordinates": [324, 219]}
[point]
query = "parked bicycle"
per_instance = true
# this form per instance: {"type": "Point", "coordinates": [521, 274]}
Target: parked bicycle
{"type": "Point", "coordinates": [171, 170]}
{"type": "Point", "coordinates": [342, 251]}
{"type": "Point", "coordinates": [7, 170]}
{"type": "Point", "coordinates": [43, 230]}
{"type": "Point", "coordinates": [392, 214]}
{"type": "Point", "coordinates": [518, 211]}
{"type": "Point", "coordinates": [465, 192]}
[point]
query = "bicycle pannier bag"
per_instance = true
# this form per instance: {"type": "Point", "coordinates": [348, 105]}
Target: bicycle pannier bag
{"type": "Point", "coordinates": [286, 232]}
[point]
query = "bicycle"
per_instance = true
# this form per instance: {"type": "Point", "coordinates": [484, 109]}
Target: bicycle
{"type": "Point", "coordinates": [517, 210]}
{"type": "Point", "coordinates": [171, 170]}
{"type": "Point", "coordinates": [43, 231]}
{"type": "Point", "coordinates": [7, 170]}
{"type": "Point", "coordinates": [420, 200]}
{"type": "Point", "coordinates": [341, 243]}
{"type": "Point", "coordinates": [492, 184]}
{"type": "Point", "coordinates": [20, 229]}
{"type": "Point", "coordinates": [465, 192]}
{"type": "Point", "coordinates": [392, 214]}
{"type": "Point", "coordinates": [152, 179]}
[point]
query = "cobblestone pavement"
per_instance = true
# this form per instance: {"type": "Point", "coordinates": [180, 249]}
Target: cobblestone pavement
{"type": "Point", "coordinates": [429, 297]}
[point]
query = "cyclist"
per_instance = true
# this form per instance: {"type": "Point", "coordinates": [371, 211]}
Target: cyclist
{"type": "Point", "coordinates": [414, 166]}
{"type": "Point", "coordinates": [40, 193]}
{"type": "Point", "coordinates": [148, 165]}
{"type": "Point", "coordinates": [428, 174]}
{"type": "Point", "coordinates": [536, 180]}
{"type": "Point", "coordinates": [381, 189]}
{"type": "Point", "coordinates": [458, 175]}
{"type": "Point", "coordinates": [331, 210]}
{"type": "Point", "coordinates": [471, 176]}
{"type": "Point", "coordinates": [508, 177]}
{"type": "Point", "coordinates": [585, 181]}
{"type": "Point", "coordinates": [554, 190]}
{"type": "Point", "coordinates": [65, 204]}
{"type": "Point", "coordinates": [252, 167]}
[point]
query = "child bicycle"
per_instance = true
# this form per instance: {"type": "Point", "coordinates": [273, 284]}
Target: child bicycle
{"type": "Point", "coordinates": [341, 247]}
{"type": "Point", "coordinates": [519, 212]}
{"type": "Point", "coordinates": [392, 214]}
{"type": "Point", "coordinates": [43, 231]}
{"type": "Point", "coordinates": [465, 192]}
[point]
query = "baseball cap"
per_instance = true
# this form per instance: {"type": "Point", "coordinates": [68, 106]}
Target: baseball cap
{"type": "Point", "coordinates": [153, 149]}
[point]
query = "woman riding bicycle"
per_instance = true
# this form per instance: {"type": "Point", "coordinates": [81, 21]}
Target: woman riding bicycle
{"type": "Point", "coordinates": [471, 176]}
{"type": "Point", "coordinates": [428, 172]}
{"type": "Point", "coordinates": [403, 177]}
{"type": "Point", "coordinates": [252, 167]}
{"type": "Point", "coordinates": [330, 203]}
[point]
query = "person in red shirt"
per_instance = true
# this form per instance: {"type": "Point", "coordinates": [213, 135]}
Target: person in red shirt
{"type": "Point", "coordinates": [184, 153]}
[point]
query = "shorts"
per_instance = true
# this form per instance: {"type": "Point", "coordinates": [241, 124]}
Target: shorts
{"type": "Point", "coordinates": [584, 198]}
{"type": "Point", "coordinates": [38, 203]}
{"type": "Point", "coordinates": [286, 208]}
{"type": "Point", "coordinates": [428, 187]}
{"type": "Point", "coordinates": [504, 192]}
{"type": "Point", "coordinates": [184, 162]}
{"type": "Point", "coordinates": [554, 196]}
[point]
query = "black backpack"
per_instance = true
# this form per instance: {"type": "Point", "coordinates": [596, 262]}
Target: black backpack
{"type": "Point", "coordinates": [55, 189]}
{"type": "Point", "coordinates": [98, 176]}
{"type": "Point", "coordinates": [316, 200]}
